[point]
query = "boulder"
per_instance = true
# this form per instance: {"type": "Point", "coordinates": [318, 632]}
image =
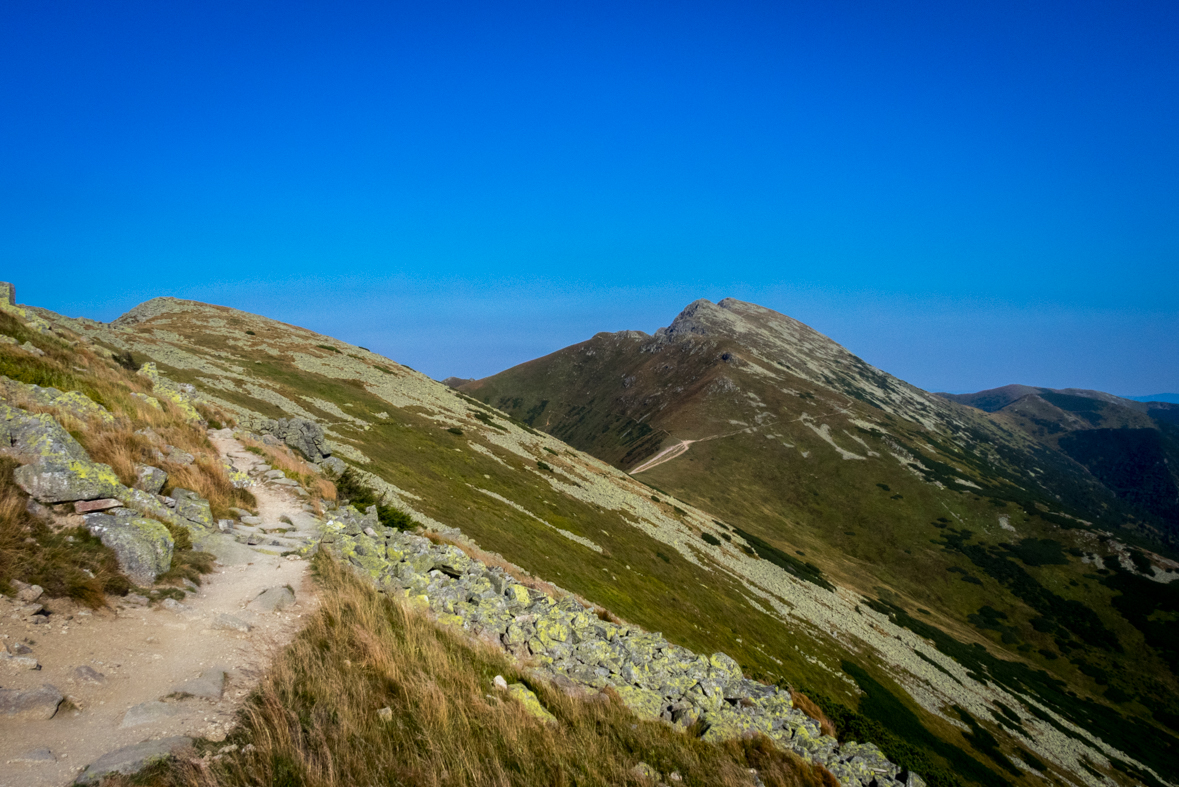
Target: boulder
{"type": "Point", "coordinates": [38, 436]}
{"type": "Point", "coordinates": [142, 546]}
{"type": "Point", "coordinates": [67, 480]}
{"type": "Point", "coordinates": [304, 436]}
{"type": "Point", "coordinates": [131, 759]}
{"type": "Point", "coordinates": [32, 704]}
{"type": "Point", "coordinates": [150, 479]}
{"type": "Point", "coordinates": [272, 600]}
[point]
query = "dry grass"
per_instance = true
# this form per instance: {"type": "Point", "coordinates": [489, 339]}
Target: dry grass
{"type": "Point", "coordinates": [314, 721]}
{"type": "Point", "coordinates": [69, 562]}
{"type": "Point", "coordinates": [208, 478]}
{"type": "Point", "coordinates": [808, 706]}
{"type": "Point", "coordinates": [295, 468]}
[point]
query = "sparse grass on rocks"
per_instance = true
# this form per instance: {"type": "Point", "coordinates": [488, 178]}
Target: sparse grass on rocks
{"type": "Point", "coordinates": [315, 718]}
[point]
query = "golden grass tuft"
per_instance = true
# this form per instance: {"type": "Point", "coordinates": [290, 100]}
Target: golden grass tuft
{"type": "Point", "coordinates": [314, 719]}
{"type": "Point", "coordinates": [810, 708]}
{"type": "Point", "coordinates": [296, 468]}
{"type": "Point", "coordinates": [66, 563]}
{"type": "Point", "coordinates": [208, 477]}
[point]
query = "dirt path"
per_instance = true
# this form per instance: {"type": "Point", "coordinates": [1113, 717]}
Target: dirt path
{"type": "Point", "coordinates": [681, 448]}
{"type": "Point", "coordinates": [144, 654]}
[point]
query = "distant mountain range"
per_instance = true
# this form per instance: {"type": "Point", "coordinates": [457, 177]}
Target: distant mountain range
{"type": "Point", "coordinates": [978, 510]}
{"type": "Point", "coordinates": [1173, 398]}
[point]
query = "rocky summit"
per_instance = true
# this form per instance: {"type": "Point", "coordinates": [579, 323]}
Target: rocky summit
{"type": "Point", "coordinates": [727, 553]}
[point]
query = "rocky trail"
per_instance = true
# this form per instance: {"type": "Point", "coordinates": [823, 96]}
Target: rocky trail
{"type": "Point", "coordinates": [132, 672]}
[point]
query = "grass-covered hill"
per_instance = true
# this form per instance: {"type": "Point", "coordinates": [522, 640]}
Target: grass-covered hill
{"type": "Point", "coordinates": [1131, 448]}
{"type": "Point", "coordinates": [1024, 559]}
{"type": "Point", "coordinates": [911, 632]}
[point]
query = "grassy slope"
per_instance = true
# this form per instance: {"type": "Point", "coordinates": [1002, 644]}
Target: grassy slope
{"type": "Point", "coordinates": [868, 523]}
{"type": "Point", "coordinates": [652, 561]}
{"type": "Point", "coordinates": [314, 719]}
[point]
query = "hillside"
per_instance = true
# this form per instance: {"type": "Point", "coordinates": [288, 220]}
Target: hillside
{"type": "Point", "coordinates": [1130, 447]}
{"type": "Point", "coordinates": [962, 525]}
{"type": "Point", "coordinates": [860, 616]}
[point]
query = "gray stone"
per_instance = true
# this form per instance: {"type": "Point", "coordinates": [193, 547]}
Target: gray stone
{"type": "Point", "coordinates": [87, 674]}
{"type": "Point", "coordinates": [132, 759]}
{"type": "Point", "coordinates": [226, 622]}
{"type": "Point", "coordinates": [272, 600]}
{"type": "Point", "coordinates": [35, 757]}
{"type": "Point", "coordinates": [194, 508]}
{"type": "Point", "coordinates": [333, 467]}
{"type": "Point", "coordinates": [150, 479]}
{"type": "Point", "coordinates": [176, 456]}
{"type": "Point", "coordinates": [19, 662]}
{"type": "Point", "coordinates": [147, 713]}
{"type": "Point", "coordinates": [209, 686]}
{"type": "Point", "coordinates": [20, 648]}
{"type": "Point", "coordinates": [61, 480]}
{"type": "Point", "coordinates": [252, 520]}
{"type": "Point", "coordinates": [37, 436]}
{"type": "Point", "coordinates": [142, 546]}
{"type": "Point", "coordinates": [30, 593]}
{"type": "Point", "coordinates": [304, 436]}
{"type": "Point", "coordinates": [32, 704]}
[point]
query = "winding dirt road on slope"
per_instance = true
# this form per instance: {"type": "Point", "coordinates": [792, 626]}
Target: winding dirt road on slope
{"type": "Point", "coordinates": [142, 654]}
{"type": "Point", "coordinates": [681, 448]}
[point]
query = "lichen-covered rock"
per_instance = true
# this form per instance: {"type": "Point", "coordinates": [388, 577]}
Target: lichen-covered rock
{"type": "Point", "coordinates": [239, 478]}
{"type": "Point", "coordinates": [150, 479]}
{"type": "Point", "coordinates": [150, 401]}
{"type": "Point", "coordinates": [37, 436]}
{"type": "Point", "coordinates": [143, 546]}
{"type": "Point", "coordinates": [194, 508]}
{"type": "Point", "coordinates": [67, 480]}
{"type": "Point", "coordinates": [181, 395]}
{"type": "Point", "coordinates": [75, 403]}
{"type": "Point", "coordinates": [304, 436]}
{"type": "Point", "coordinates": [567, 642]}
{"type": "Point", "coordinates": [530, 702]}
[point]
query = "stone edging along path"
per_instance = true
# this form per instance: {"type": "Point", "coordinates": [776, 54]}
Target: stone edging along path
{"type": "Point", "coordinates": [579, 651]}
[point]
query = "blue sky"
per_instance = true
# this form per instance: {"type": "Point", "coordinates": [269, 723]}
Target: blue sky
{"type": "Point", "coordinates": [964, 194]}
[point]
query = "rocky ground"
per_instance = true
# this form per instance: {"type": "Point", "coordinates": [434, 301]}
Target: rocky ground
{"type": "Point", "coordinates": [135, 671]}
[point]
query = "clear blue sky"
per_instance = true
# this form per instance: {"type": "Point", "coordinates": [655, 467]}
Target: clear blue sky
{"type": "Point", "coordinates": [966, 194]}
